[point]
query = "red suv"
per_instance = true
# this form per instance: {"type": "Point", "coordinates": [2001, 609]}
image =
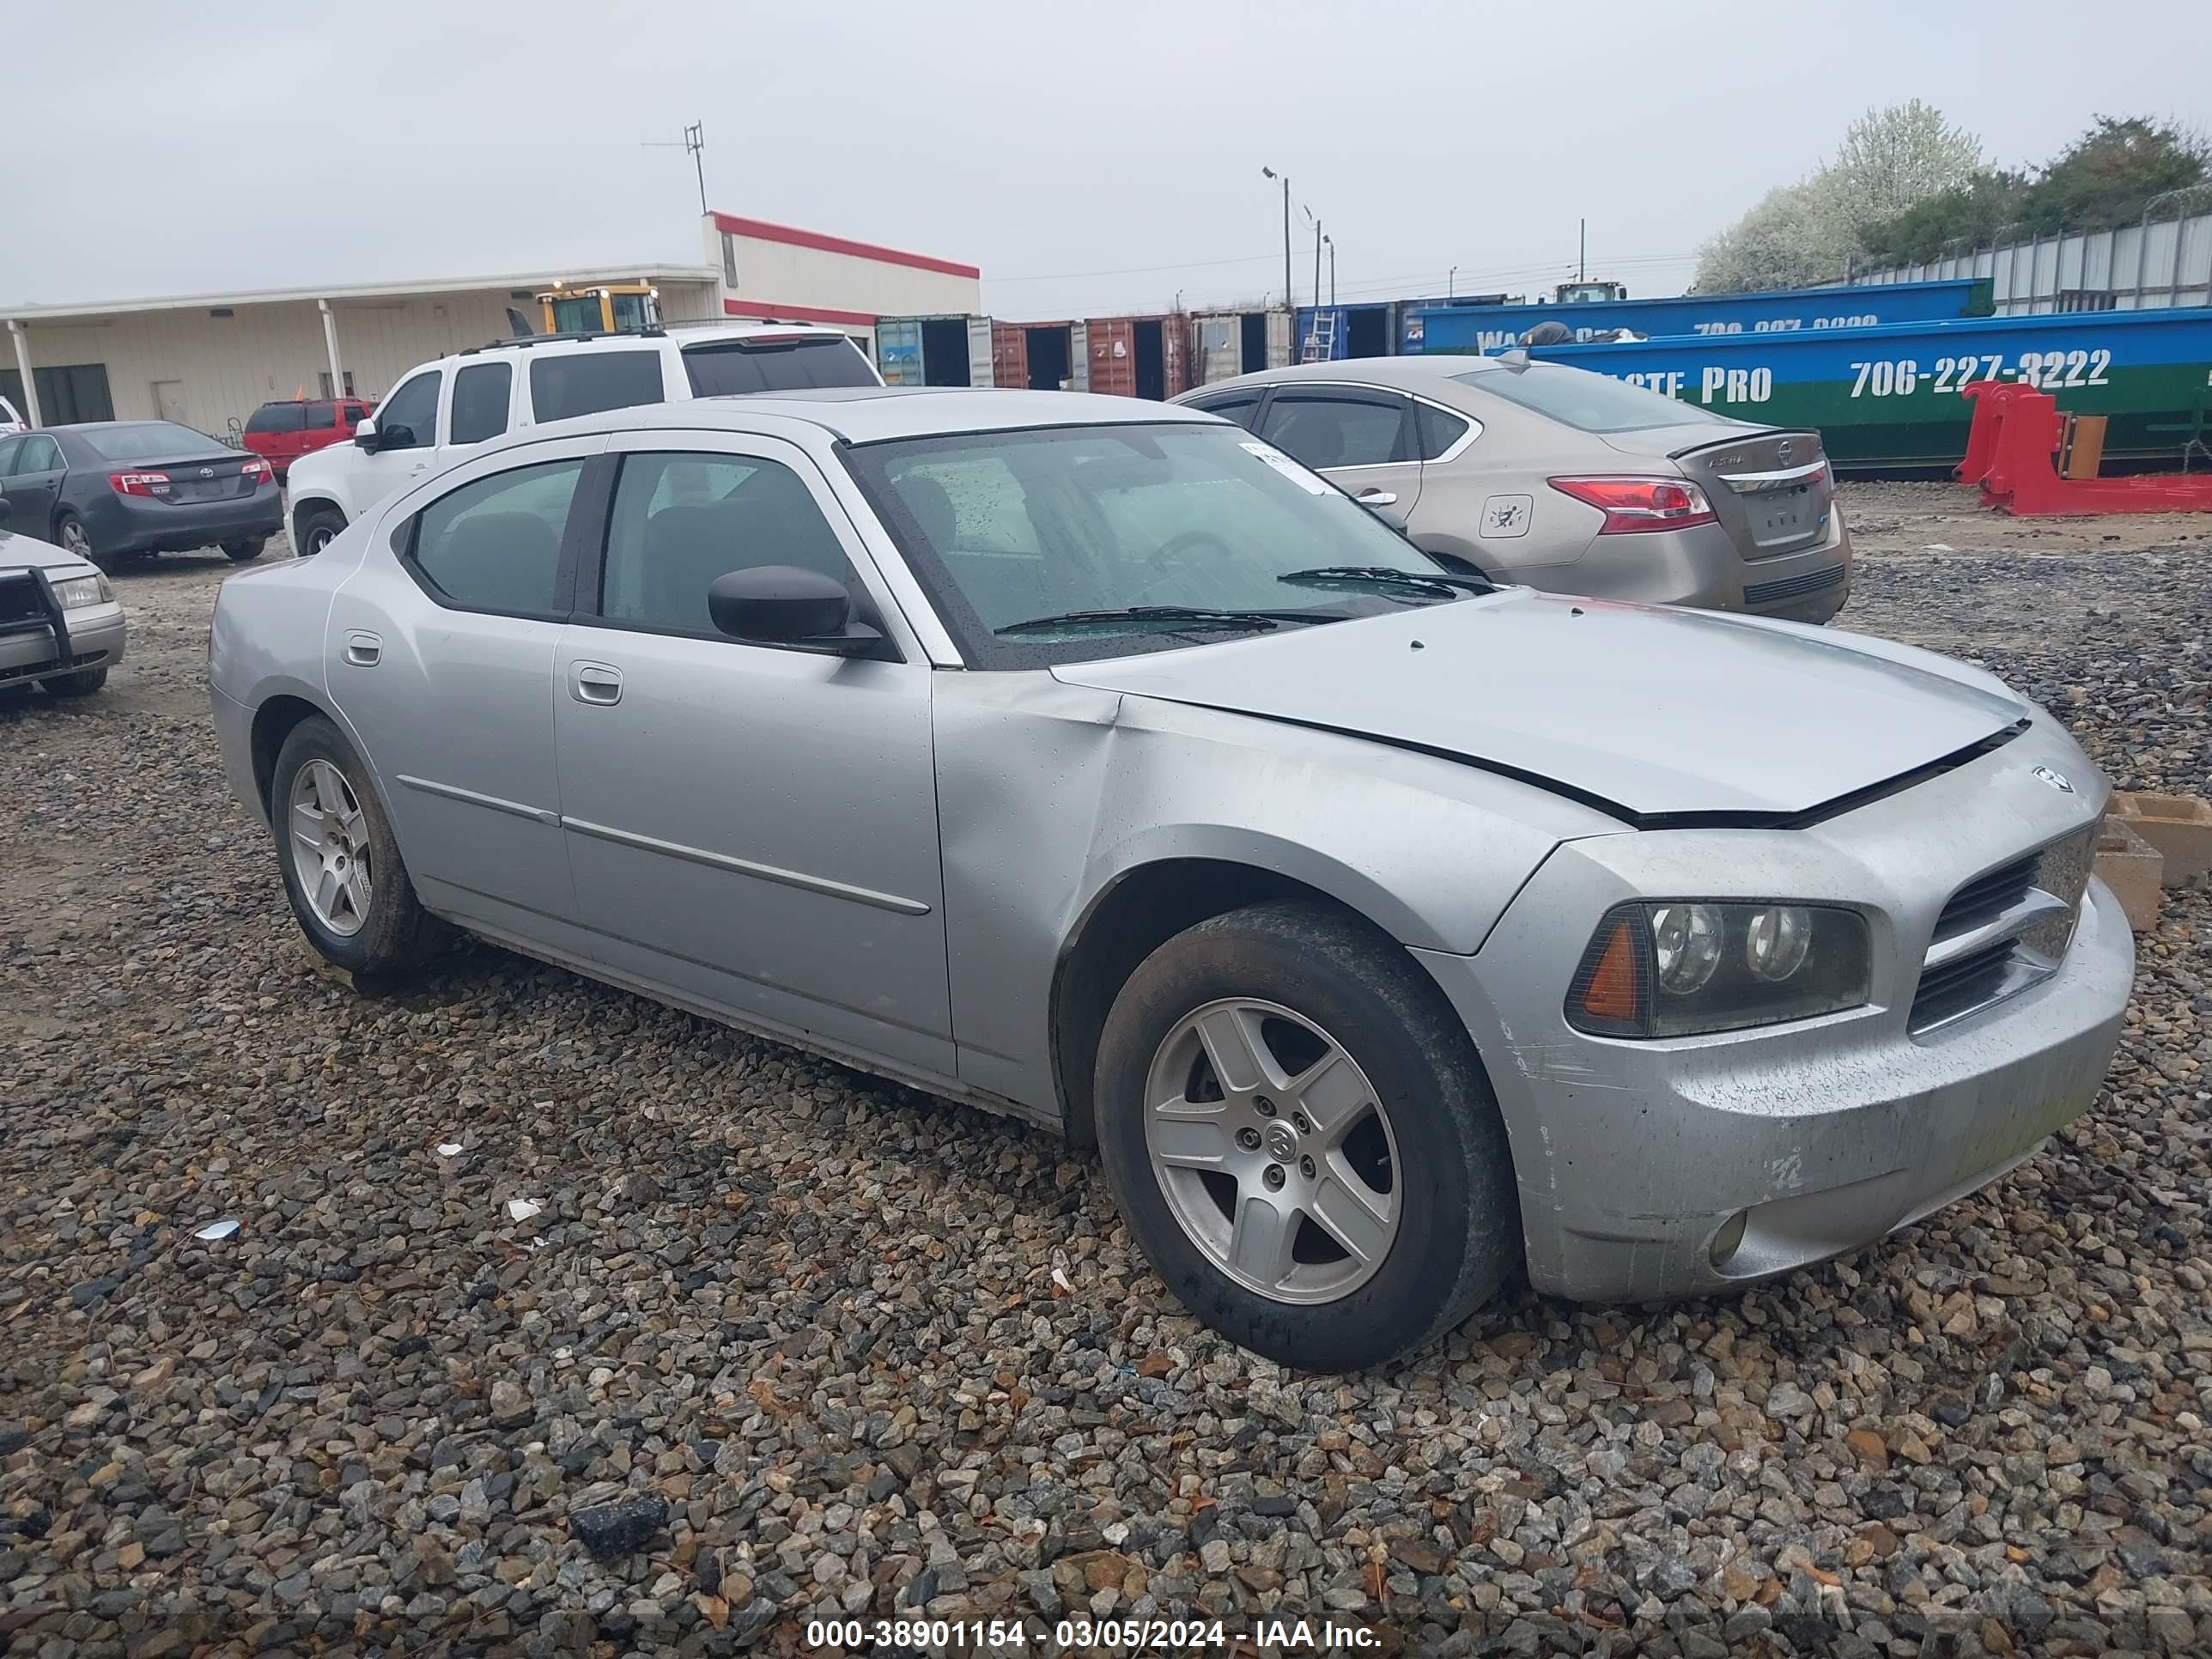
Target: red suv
{"type": "Point", "coordinates": [281, 433]}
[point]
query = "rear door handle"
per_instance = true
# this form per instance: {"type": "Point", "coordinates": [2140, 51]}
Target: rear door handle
{"type": "Point", "coordinates": [595, 682]}
{"type": "Point", "coordinates": [363, 649]}
{"type": "Point", "coordinates": [1374, 495]}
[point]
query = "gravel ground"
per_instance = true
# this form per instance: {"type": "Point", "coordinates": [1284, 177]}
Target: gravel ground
{"type": "Point", "coordinates": [846, 1347]}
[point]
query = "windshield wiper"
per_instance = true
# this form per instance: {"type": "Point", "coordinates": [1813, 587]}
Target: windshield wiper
{"type": "Point", "coordinates": [1180, 616]}
{"type": "Point", "coordinates": [1382, 576]}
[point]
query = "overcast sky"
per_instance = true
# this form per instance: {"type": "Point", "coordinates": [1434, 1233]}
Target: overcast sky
{"type": "Point", "coordinates": [1089, 158]}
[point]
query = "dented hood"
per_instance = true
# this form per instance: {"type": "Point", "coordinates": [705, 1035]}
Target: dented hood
{"type": "Point", "coordinates": [1648, 711]}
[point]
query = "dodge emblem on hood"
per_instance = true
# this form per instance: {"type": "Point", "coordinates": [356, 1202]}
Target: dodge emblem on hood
{"type": "Point", "coordinates": [2057, 779]}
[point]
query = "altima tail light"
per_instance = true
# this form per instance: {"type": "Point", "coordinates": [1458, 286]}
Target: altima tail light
{"type": "Point", "coordinates": [256, 471]}
{"type": "Point", "coordinates": [139, 483]}
{"type": "Point", "coordinates": [1631, 505]}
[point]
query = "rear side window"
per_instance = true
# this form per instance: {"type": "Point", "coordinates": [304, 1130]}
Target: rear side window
{"type": "Point", "coordinates": [733, 366]}
{"type": "Point", "coordinates": [321, 418]}
{"type": "Point", "coordinates": [1237, 406]}
{"type": "Point", "coordinates": [480, 396]}
{"type": "Point", "coordinates": [414, 406]}
{"type": "Point", "coordinates": [1325, 429]}
{"type": "Point", "coordinates": [277, 417]}
{"type": "Point", "coordinates": [494, 544]}
{"type": "Point", "coordinates": [585, 382]}
{"type": "Point", "coordinates": [1438, 429]}
{"type": "Point", "coordinates": [38, 454]}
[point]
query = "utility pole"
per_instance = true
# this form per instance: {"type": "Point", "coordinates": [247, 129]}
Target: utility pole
{"type": "Point", "coordinates": [695, 141]}
{"type": "Point", "coordinates": [1581, 251]}
{"type": "Point", "coordinates": [1451, 277]}
{"type": "Point", "coordinates": [1331, 240]}
{"type": "Point", "coordinates": [1290, 299]}
{"type": "Point", "coordinates": [1318, 241]}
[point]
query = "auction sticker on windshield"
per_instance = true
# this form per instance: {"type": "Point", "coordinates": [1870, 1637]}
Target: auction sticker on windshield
{"type": "Point", "coordinates": [1289, 468]}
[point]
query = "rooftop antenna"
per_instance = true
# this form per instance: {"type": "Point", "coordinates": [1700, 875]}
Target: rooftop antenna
{"type": "Point", "coordinates": [693, 140]}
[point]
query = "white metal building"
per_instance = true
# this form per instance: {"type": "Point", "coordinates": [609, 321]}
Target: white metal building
{"type": "Point", "coordinates": [803, 276]}
{"type": "Point", "coordinates": [208, 359]}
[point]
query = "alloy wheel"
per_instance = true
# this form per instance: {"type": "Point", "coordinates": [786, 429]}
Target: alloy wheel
{"type": "Point", "coordinates": [1273, 1151]}
{"type": "Point", "coordinates": [329, 847]}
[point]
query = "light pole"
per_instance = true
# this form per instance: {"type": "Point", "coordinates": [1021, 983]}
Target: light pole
{"type": "Point", "coordinates": [1290, 299]}
{"type": "Point", "coordinates": [1309, 212]}
{"type": "Point", "coordinates": [1331, 240]}
{"type": "Point", "coordinates": [1450, 278]}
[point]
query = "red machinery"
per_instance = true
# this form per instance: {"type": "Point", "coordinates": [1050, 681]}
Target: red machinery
{"type": "Point", "coordinates": [2017, 430]}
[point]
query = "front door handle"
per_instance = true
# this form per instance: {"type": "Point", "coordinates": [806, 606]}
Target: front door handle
{"type": "Point", "coordinates": [363, 649]}
{"type": "Point", "coordinates": [595, 682]}
{"type": "Point", "coordinates": [1373, 496]}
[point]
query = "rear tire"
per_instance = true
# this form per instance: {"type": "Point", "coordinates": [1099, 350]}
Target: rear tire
{"type": "Point", "coordinates": [82, 684]}
{"type": "Point", "coordinates": [348, 885]}
{"type": "Point", "coordinates": [1439, 1224]}
{"type": "Point", "coordinates": [316, 530]}
{"type": "Point", "coordinates": [246, 549]}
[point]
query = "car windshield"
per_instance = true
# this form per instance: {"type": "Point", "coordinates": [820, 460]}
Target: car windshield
{"type": "Point", "coordinates": [144, 440]}
{"type": "Point", "coordinates": [1588, 402]}
{"type": "Point", "coordinates": [1013, 528]}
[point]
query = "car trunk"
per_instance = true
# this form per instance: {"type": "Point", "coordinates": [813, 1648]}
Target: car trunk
{"type": "Point", "coordinates": [1772, 490]}
{"type": "Point", "coordinates": [201, 478]}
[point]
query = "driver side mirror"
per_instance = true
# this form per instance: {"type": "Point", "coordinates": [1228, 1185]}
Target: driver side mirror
{"type": "Point", "coordinates": [364, 433]}
{"type": "Point", "coordinates": [785, 604]}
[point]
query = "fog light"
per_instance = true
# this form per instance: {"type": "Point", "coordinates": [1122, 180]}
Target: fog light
{"type": "Point", "coordinates": [1727, 1241]}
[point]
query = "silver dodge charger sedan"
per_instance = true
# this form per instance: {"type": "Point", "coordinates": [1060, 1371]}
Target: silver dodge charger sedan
{"type": "Point", "coordinates": [1565, 480]}
{"type": "Point", "coordinates": [1096, 762]}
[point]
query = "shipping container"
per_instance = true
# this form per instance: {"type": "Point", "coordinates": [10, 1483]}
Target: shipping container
{"type": "Point", "coordinates": [1041, 357]}
{"type": "Point", "coordinates": [1471, 326]}
{"type": "Point", "coordinates": [1139, 357]}
{"type": "Point", "coordinates": [1887, 397]}
{"type": "Point", "coordinates": [934, 350]}
{"type": "Point", "coordinates": [1227, 343]}
{"type": "Point", "coordinates": [1330, 333]}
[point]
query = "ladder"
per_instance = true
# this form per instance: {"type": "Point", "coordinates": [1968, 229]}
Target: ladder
{"type": "Point", "coordinates": [1320, 345]}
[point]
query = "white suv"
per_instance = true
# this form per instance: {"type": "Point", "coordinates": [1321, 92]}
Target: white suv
{"type": "Point", "coordinates": [444, 408]}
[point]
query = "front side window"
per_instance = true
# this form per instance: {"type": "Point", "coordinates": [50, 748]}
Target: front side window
{"type": "Point", "coordinates": [1012, 532]}
{"type": "Point", "coordinates": [414, 407]}
{"type": "Point", "coordinates": [1588, 402]}
{"type": "Point", "coordinates": [494, 544]}
{"type": "Point", "coordinates": [1237, 406]}
{"type": "Point", "coordinates": [1325, 429]}
{"type": "Point", "coordinates": [9, 448]}
{"type": "Point", "coordinates": [480, 396]}
{"type": "Point", "coordinates": [587, 382]}
{"type": "Point", "coordinates": [681, 520]}
{"type": "Point", "coordinates": [322, 417]}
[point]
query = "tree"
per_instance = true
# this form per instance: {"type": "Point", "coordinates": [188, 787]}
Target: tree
{"type": "Point", "coordinates": [2111, 172]}
{"type": "Point", "coordinates": [1892, 160]}
{"type": "Point", "coordinates": [1794, 237]}
{"type": "Point", "coordinates": [1964, 216]}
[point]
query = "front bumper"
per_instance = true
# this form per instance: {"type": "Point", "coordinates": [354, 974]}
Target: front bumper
{"type": "Point", "coordinates": [127, 523]}
{"type": "Point", "coordinates": [96, 637]}
{"type": "Point", "coordinates": [1631, 1156]}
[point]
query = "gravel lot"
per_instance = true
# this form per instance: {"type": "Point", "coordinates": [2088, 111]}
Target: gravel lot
{"type": "Point", "coordinates": [876, 1351]}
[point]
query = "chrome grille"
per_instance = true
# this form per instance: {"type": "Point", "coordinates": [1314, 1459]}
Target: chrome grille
{"type": "Point", "coordinates": [2003, 932]}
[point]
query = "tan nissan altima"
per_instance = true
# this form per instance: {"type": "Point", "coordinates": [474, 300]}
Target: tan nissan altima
{"type": "Point", "coordinates": [1559, 478]}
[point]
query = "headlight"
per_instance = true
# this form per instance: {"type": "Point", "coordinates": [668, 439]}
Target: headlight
{"type": "Point", "coordinates": [78, 592]}
{"type": "Point", "coordinates": [1677, 968]}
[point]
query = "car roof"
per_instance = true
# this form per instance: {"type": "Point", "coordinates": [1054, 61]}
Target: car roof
{"type": "Point", "coordinates": [683, 334]}
{"type": "Point", "coordinates": [1413, 373]}
{"type": "Point", "coordinates": [864, 414]}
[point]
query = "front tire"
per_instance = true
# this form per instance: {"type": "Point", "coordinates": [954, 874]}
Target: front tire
{"type": "Point", "coordinates": [1301, 1138]}
{"type": "Point", "coordinates": [316, 530]}
{"type": "Point", "coordinates": [348, 885]}
{"type": "Point", "coordinates": [82, 684]}
{"type": "Point", "coordinates": [246, 549]}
